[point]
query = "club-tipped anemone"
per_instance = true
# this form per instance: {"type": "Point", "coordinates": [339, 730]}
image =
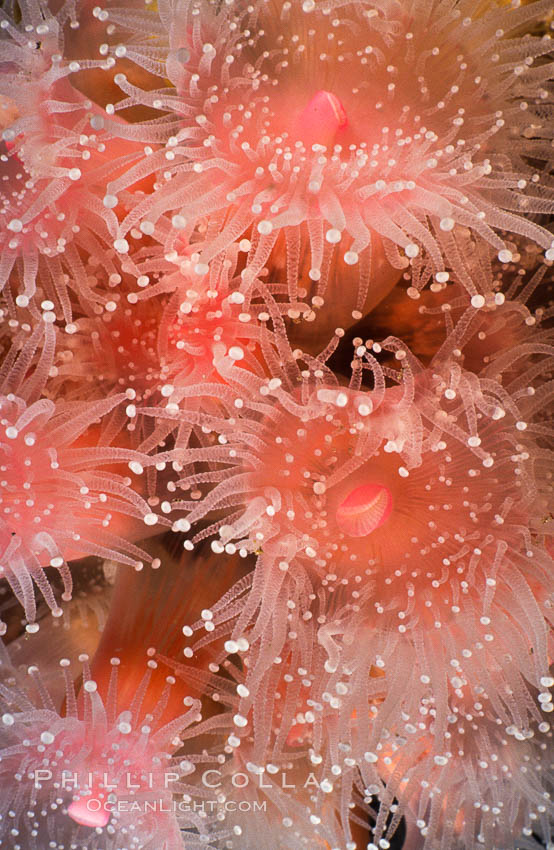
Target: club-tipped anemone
{"type": "Point", "coordinates": [426, 498]}
{"type": "Point", "coordinates": [448, 598]}
{"type": "Point", "coordinates": [284, 454]}
{"type": "Point", "coordinates": [54, 162]}
{"type": "Point", "coordinates": [282, 803]}
{"type": "Point", "coordinates": [151, 616]}
{"type": "Point", "coordinates": [296, 444]}
{"type": "Point", "coordinates": [77, 631]}
{"type": "Point", "coordinates": [274, 757]}
{"type": "Point", "coordinates": [63, 494]}
{"type": "Point", "coordinates": [98, 766]}
{"type": "Point", "coordinates": [490, 786]}
{"type": "Point", "coordinates": [348, 126]}
{"type": "Point", "coordinates": [325, 551]}
{"type": "Point", "coordinates": [237, 678]}
{"type": "Point", "coordinates": [159, 334]}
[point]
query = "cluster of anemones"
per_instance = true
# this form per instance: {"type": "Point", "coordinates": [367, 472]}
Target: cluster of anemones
{"type": "Point", "coordinates": [324, 548]}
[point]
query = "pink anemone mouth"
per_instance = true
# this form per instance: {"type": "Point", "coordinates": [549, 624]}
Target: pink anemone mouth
{"type": "Point", "coordinates": [321, 120]}
{"type": "Point", "coordinates": [364, 510]}
{"type": "Point", "coordinates": [84, 813]}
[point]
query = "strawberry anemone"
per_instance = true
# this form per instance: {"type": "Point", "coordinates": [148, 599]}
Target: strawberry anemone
{"type": "Point", "coordinates": [150, 619]}
{"type": "Point", "coordinates": [154, 340]}
{"type": "Point", "coordinates": [489, 785]}
{"type": "Point", "coordinates": [373, 130]}
{"type": "Point", "coordinates": [425, 501]}
{"type": "Point", "coordinates": [292, 801]}
{"type": "Point", "coordinates": [456, 586]}
{"type": "Point", "coordinates": [108, 773]}
{"type": "Point", "coordinates": [272, 449]}
{"type": "Point", "coordinates": [289, 788]}
{"type": "Point", "coordinates": [277, 707]}
{"type": "Point", "coordinates": [121, 749]}
{"type": "Point", "coordinates": [55, 160]}
{"type": "Point", "coordinates": [63, 494]}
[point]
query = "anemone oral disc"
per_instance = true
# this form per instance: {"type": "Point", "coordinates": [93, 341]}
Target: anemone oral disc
{"type": "Point", "coordinates": [365, 509]}
{"type": "Point", "coordinates": [321, 119]}
{"type": "Point", "coordinates": [83, 812]}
